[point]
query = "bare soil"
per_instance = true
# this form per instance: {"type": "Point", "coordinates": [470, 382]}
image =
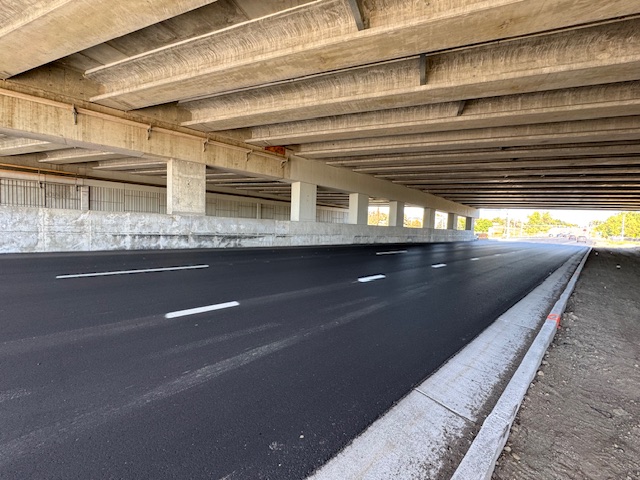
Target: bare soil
{"type": "Point", "coordinates": [581, 416]}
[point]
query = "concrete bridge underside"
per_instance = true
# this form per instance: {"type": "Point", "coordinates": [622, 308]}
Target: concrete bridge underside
{"type": "Point", "coordinates": [449, 105]}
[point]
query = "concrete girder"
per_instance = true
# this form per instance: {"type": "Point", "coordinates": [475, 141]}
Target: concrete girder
{"type": "Point", "coordinates": [40, 119]}
{"type": "Point", "coordinates": [559, 180]}
{"type": "Point", "coordinates": [502, 165]}
{"type": "Point", "coordinates": [54, 29]}
{"type": "Point", "coordinates": [414, 178]}
{"type": "Point", "coordinates": [597, 55]}
{"type": "Point", "coordinates": [130, 164]}
{"type": "Point", "coordinates": [20, 146]}
{"type": "Point", "coordinates": [554, 151]}
{"type": "Point", "coordinates": [75, 155]}
{"type": "Point", "coordinates": [321, 36]}
{"type": "Point", "coordinates": [584, 103]}
{"type": "Point", "coordinates": [609, 129]}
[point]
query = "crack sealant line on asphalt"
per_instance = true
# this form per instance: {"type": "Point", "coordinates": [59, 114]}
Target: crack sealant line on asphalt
{"type": "Point", "coordinates": [479, 461]}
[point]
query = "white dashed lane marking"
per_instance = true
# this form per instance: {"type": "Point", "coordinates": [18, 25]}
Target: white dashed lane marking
{"type": "Point", "coordinates": [371, 278]}
{"type": "Point", "coordinates": [126, 272]}
{"type": "Point", "coordinates": [207, 308]}
{"type": "Point", "coordinates": [438, 265]}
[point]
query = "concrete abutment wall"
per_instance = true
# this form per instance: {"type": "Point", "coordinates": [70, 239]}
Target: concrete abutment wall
{"type": "Point", "coordinates": [25, 230]}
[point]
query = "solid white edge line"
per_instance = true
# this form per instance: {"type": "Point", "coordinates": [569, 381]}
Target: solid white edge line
{"type": "Point", "coordinates": [394, 252]}
{"type": "Point", "coordinates": [208, 308]}
{"type": "Point", "coordinates": [124, 272]}
{"type": "Point", "coordinates": [438, 265]}
{"type": "Point", "coordinates": [371, 278]}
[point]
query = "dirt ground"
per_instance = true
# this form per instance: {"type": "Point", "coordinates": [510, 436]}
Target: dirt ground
{"type": "Point", "coordinates": [581, 416]}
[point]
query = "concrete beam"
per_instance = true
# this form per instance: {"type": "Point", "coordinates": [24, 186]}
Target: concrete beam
{"type": "Point", "coordinates": [40, 119]}
{"type": "Point", "coordinates": [552, 151]}
{"type": "Point", "coordinates": [20, 146]}
{"type": "Point", "coordinates": [541, 173]}
{"type": "Point", "coordinates": [589, 131]}
{"type": "Point", "coordinates": [585, 103]}
{"type": "Point", "coordinates": [75, 155]}
{"type": "Point", "coordinates": [503, 165]}
{"type": "Point", "coordinates": [542, 63]}
{"type": "Point", "coordinates": [55, 29]}
{"type": "Point", "coordinates": [321, 36]}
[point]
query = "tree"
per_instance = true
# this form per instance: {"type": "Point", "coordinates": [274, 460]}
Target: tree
{"type": "Point", "coordinates": [612, 226]}
{"type": "Point", "coordinates": [482, 225]}
{"type": "Point", "coordinates": [376, 217]}
{"type": "Point", "coordinates": [542, 222]}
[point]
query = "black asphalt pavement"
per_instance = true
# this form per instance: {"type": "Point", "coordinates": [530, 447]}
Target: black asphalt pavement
{"type": "Point", "coordinates": [112, 376]}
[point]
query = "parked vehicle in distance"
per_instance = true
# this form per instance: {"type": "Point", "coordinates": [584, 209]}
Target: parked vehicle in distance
{"type": "Point", "coordinates": [581, 238]}
{"type": "Point", "coordinates": [572, 237]}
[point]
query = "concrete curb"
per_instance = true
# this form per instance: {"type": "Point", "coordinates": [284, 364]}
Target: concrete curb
{"type": "Point", "coordinates": [479, 461]}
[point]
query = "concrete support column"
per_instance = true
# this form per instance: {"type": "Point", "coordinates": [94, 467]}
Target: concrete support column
{"type": "Point", "coordinates": [358, 208]}
{"type": "Point", "coordinates": [258, 211]}
{"type": "Point", "coordinates": [468, 225]}
{"type": "Point", "coordinates": [429, 218]}
{"type": "Point", "coordinates": [452, 221]}
{"type": "Point", "coordinates": [303, 202]}
{"type": "Point", "coordinates": [396, 214]}
{"type": "Point", "coordinates": [84, 197]}
{"type": "Point", "coordinates": [186, 188]}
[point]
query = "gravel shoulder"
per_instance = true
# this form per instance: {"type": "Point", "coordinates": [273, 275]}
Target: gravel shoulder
{"type": "Point", "coordinates": [581, 416]}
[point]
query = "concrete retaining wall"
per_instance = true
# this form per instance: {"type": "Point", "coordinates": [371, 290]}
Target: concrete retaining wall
{"type": "Point", "coordinates": [24, 229]}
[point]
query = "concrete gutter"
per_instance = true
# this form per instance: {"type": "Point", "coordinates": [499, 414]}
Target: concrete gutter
{"type": "Point", "coordinates": [479, 461]}
{"type": "Point", "coordinates": [430, 429]}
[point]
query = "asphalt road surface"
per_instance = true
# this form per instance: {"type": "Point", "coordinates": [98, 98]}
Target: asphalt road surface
{"type": "Point", "coordinates": [238, 364]}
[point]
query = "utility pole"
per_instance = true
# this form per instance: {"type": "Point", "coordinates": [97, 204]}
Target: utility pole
{"type": "Point", "coordinates": [624, 214]}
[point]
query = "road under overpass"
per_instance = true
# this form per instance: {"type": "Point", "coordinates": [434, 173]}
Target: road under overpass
{"type": "Point", "coordinates": [336, 104]}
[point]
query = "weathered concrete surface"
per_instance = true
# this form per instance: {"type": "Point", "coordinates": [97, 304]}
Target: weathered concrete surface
{"type": "Point", "coordinates": [322, 36]}
{"type": "Point", "coordinates": [585, 103]}
{"type": "Point", "coordinates": [603, 54]}
{"type": "Point", "coordinates": [24, 230]}
{"type": "Point", "coordinates": [54, 29]}
{"type": "Point", "coordinates": [53, 121]}
{"type": "Point", "coordinates": [186, 188]}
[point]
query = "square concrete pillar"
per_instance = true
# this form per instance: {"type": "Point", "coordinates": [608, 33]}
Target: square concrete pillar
{"type": "Point", "coordinates": [396, 214]}
{"type": "Point", "coordinates": [358, 208]}
{"type": "Point", "coordinates": [84, 197]}
{"type": "Point", "coordinates": [303, 202]}
{"type": "Point", "coordinates": [186, 188]}
{"type": "Point", "coordinates": [468, 225]}
{"type": "Point", "coordinates": [429, 218]}
{"type": "Point", "coordinates": [452, 221]}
